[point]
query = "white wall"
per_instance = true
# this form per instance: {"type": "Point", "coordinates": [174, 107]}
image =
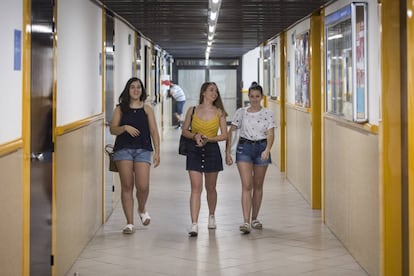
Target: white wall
{"type": "Point", "coordinates": [123, 56]}
{"type": "Point", "coordinates": [249, 69]}
{"type": "Point", "coordinates": [79, 45]}
{"type": "Point", "coordinates": [10, 80]}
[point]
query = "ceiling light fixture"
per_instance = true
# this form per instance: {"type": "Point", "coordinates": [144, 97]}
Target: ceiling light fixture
{"type": "Point", "coordinates": [214, 7]}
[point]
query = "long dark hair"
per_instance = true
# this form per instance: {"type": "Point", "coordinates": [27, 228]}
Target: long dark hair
{"type": "Point", "coordinates": [124, 99]}
{"type": "Point", "coordinates": [218, 102]}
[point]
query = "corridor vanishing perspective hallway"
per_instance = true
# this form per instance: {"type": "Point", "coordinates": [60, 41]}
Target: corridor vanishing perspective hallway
{"type": "Point", "coordinates": [293, 241]}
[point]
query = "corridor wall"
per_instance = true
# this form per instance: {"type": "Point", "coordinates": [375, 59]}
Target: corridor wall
{"type": "Point", "coordinates": [351, 163]}
{"type": "Point", "coordinates": [79, 129]}
{"type": "Point", "coordinates": [298, 117]}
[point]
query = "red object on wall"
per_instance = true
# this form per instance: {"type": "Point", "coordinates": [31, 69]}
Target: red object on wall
{"type": "Point", "coordinates": [165, 82]}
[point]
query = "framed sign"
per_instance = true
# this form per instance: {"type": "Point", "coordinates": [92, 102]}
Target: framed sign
{"type": "Point", "coordinates": [346, 66]}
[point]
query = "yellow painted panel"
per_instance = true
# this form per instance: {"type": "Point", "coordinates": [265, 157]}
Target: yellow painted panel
{"type": "Point", "coordinates": [390, 141]}
{"type": "Point", "coordinates": [316, 36]}
{"type": "Point", "coordinates": [283, 88]}
{"type": "Point", "coordinates": [26, 134]}
{"type": "Point", "coordinates": [410, 107]}
{"type": "Point", "coordinates": [322, 102]}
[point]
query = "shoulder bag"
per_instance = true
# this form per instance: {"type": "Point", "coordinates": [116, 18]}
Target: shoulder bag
{"type": "Point", "coordinates": [184, 141]}
{"type": "Point", "coordinates": [235, 137]}
{"type": "Point", "coordinates": [110, 151]}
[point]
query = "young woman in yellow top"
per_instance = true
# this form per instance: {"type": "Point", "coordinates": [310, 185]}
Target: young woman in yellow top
{"type": "Point", "coordinates": [204, 156]}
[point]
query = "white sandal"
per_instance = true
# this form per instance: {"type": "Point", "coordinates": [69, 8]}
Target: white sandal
{"type": "Point", "coordinates": [145, 218]}
{"type": "Point", "coordinates": [245, 228]}
{"type": "Point", "coordinates": [128, 229]}
{"type": "Point", "coordinates": [256, 224]}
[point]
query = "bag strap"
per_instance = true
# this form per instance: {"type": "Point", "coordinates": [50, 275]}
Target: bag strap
{"type": "Point", "coordinates": [244, 109]}
{"type": "Point", "coordinates": [191, 120]}
{"type": "Point", "coordinates": [192, 113]}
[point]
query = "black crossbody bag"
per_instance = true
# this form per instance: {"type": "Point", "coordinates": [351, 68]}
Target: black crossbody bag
{"type": "Point", "coordinates": [184, 141]}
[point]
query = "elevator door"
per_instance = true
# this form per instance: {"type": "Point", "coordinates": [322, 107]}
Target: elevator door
{"type": "Point", "coordinates": [109, 107]}
{"type": "Point", "coordinates": [41, 145]}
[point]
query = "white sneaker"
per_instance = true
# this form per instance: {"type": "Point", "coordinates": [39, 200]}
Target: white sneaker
{"type": "Point", "coordinates": [211, 222]}
{"type": "Point", "coordinates": [193, 232]}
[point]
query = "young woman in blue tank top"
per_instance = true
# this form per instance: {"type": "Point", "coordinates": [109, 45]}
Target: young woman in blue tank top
{"type": "Point", "coordinates": [133, 122]}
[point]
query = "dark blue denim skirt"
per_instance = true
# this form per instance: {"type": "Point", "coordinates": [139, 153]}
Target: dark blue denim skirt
{"type": "Point", "coordinates": [204, 159]}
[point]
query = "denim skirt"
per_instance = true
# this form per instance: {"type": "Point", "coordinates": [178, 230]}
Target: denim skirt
{"type": "Point", "coordinates": [204, 159]}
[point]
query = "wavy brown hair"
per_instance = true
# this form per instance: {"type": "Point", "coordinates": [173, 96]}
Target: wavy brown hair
{"type": "Point", "coordinates": [218, 102]}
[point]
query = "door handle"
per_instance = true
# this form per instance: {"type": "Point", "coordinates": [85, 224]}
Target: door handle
{"type": "Point", "coordinates": [38, 156]}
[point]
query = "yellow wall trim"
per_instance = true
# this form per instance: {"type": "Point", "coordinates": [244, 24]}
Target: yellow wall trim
{"type": "Point", "coordinates": [365, 127]}
{"type": "Point", "coordinates": [315, 82]}
{"type": "Point", "coordinates": [323, 107]}
{"type": "Point", "coordinates": [390, 140]}
{"type": "Point", "coordinates": [283, 89]}
{"type": "Point", "coordinates": [11, 146]}
{"type": "Point", "coordinates": [76, 125]}
{"type": "Point", "coordinates": [410, 139]}
{"type": "Point", "coordinates": [298, 108]}
{"type": "Point", "coordinates": [274, 100]}
{"type": "Point", "coordinates": [26, 107]}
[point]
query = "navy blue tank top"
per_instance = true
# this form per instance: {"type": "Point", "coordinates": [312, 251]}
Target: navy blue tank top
{"type": "Point", "coordinates": [138, 119]}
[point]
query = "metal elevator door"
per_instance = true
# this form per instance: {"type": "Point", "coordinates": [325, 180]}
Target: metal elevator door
{"type": "Point", "coordinates": [41, 145]}
{"type": "Point", "coordinates": [109, 107]}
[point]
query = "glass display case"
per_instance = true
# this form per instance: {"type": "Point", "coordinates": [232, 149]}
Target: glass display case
{"type": "Point", "coordinates": [302, 95]}
{"type": "Point", "coordinates": [275, 71]}
{"type": "Point", "coordinates": [266, 70]}
{"type": "Point", "coordinates": [346, 68]}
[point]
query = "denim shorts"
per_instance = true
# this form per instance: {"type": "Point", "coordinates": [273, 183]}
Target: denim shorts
{"type": "Point", "coordinates": [136, 155]}
{"type": "Point", "coordinates": [179, 107]}
{"type": "Point", "coordinates": [251, 153]}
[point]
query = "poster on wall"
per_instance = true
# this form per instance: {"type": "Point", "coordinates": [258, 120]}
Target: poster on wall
{"type": "Point", "coordinates": [346, 66]}
{"type": "Point", "coordinates": [302, 97]}
{"type": "Point", "coordinates": [360, 64]}
{"type": "Point", "coordinates": [275, 71]}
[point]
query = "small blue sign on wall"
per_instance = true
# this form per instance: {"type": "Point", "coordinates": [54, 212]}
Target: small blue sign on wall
{"type": "Point", "coordinates": [17, 50]}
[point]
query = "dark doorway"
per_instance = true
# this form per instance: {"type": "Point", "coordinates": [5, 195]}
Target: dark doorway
{"type": "Point", "coordinates": [41, 144]}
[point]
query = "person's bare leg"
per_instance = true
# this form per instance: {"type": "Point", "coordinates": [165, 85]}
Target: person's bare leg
{"type": "Point", "coordinates": [125, 169]}
{"type": "Point", "coordinates": [258, 180]}
{"type": "Point", "coordinates": [196, 180]}
{"type": "Point", "coordinates": [245, 171]}
{"type": "Point", "coordinates": [142, 175]}
{"type": "Point", "coordinates": [210, 184]}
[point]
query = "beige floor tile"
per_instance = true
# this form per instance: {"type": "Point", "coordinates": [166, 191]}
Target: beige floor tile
{"type": "Point", "coordinates": [294, 240]}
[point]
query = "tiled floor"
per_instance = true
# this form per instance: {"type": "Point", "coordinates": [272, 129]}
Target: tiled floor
{"type": "Point", "coordinates": [294, 240]}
